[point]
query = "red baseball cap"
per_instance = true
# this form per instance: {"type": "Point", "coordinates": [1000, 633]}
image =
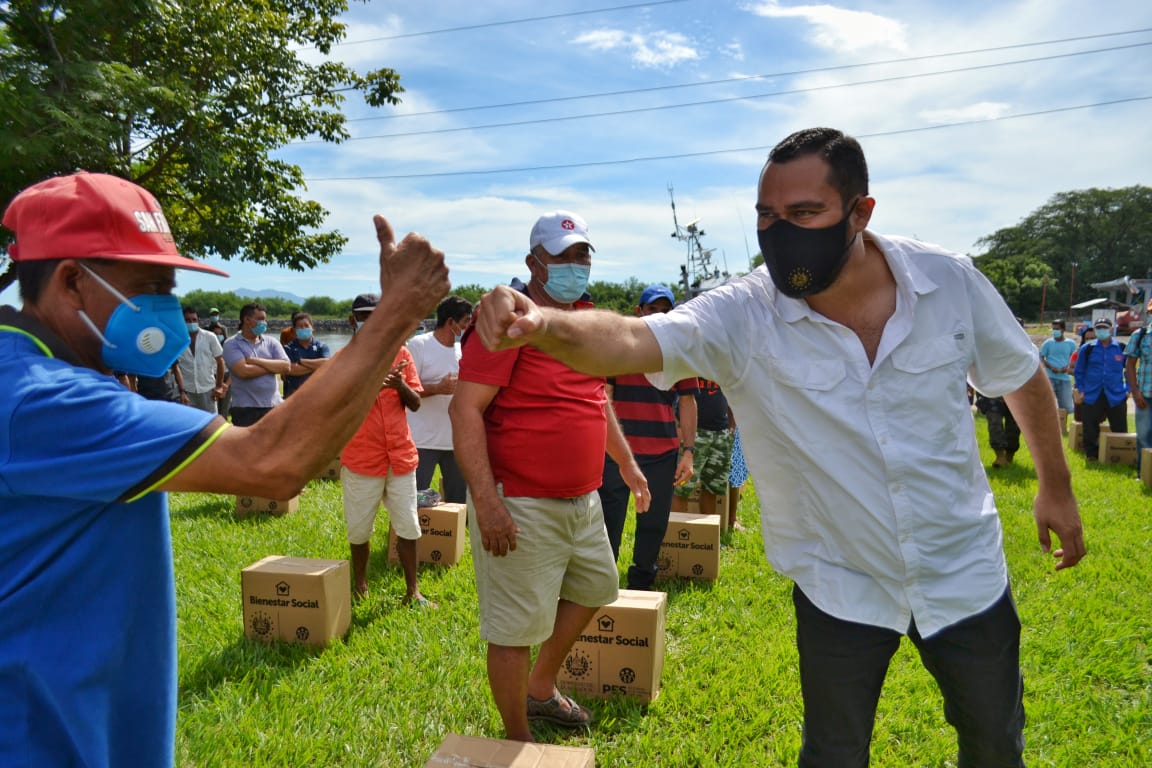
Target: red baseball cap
{"type": "Point", "coordinates": [93, 216]}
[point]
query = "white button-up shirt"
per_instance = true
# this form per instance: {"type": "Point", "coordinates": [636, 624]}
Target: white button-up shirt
{"type": "Point", "coordinates": [873, 498]}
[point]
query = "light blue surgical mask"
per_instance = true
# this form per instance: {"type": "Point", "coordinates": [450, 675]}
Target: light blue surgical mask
{"type": "Point", "coordinates": [220, 338]}
{"type": "Point", "coordinates": [144, 335]}
{"type": "Point", "coordinates": [566, 282]}
{"type": "Point", "coordinates": [192, 327]}
{"type": "Point", "coordinates": [1057, 333]}
{"type": "Point", "coordinates": [303, 334]}
{"type": "Point", "coordinates": [1103, 334]}
{"type": "Point", "coordinates": [260, 328]}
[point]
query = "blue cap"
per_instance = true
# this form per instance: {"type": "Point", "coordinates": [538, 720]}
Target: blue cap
{"type": "Point", "coordinates": [653, 292]}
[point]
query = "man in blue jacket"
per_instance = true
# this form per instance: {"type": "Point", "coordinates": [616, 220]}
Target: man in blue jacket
{"type": "Point", "coordinates": [1101, 386]}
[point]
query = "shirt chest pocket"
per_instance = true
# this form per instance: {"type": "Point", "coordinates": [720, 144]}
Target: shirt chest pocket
{"type": "Point", "coordinates": [933, 368]}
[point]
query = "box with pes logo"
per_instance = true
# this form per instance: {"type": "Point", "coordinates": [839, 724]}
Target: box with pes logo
{"type": "Point", "coordinates": [621, 651]}
{"type": "Point", "coordinates": [691, 547]}
{"type": "Point", "coordinates": [331, 471]}
{"type": "Point", "coordinates": [457, 751]}
{"type": "Point", "coordinates": [258, 505]}
{"type": "Point", "coordinates": [441, 539]}
{"type": "Point", "coordinates": [1117, 448]}
{"type": "Point", "coordinates": [296, 599]}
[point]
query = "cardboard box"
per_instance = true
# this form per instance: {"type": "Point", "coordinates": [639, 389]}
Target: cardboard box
{"type": "Point", "coordinates": [621, 651]}
{"type": "Point", "coordinates": [257, 505]}
{"type": "Point", "coordinates": [1076, 437]}
{"type": "Point", "coordinates": [1063, 416]}
{"type": "Point", "coordinates": [1117, 448]}
{"type": "Point", "coordinates": [721, 507]}
{"type": "Point", "coordinates": [441, 539]}
{"type": "Point", "coordinates": [691, 547]}
{"type": "Point", "coordinates": [1146, 467]}
{"type": "Point", "coordinates": [458, 751]}
{"type": "Point", "coordinates": [330, 472]}
{"type": "Point", "coordinates": [296, 599]}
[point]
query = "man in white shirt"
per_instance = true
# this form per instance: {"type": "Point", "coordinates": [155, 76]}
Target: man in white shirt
{"type": "Point", "coordinates": [437, 356]}
{"type": "Point", "coordinates": [845, 358]}
{"type": "Point", "coordinates": [201, 365]}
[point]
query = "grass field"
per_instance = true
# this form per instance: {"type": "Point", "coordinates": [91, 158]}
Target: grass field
{"type": "Point", "coordinates": [402, 679]}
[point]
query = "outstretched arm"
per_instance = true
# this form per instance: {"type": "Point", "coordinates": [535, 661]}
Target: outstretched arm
{"type": "Point", "coordinates": [594, 342]}
{"type": "Point", "coordinates": [1034, 408]}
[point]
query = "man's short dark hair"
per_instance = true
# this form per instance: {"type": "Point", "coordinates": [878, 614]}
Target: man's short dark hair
{"type": "Point", "coordinates": [32, 276]}
{"type": "Point", "coordinates": [1058, 323]}
{"type": "Point", "coordinates": [452, 308]}
{"type": "Point", "coordinates": [848, 171]}
{"type": "Point", "coordinates": [188, 309]}
{"type": "Point", "coordinates": [298, 316]}
{"type": "Point", "coordinates": [250, 309]}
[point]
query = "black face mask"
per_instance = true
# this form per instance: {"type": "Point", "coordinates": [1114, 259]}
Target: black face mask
{"type": "Point", "coordinates": [805, 261]}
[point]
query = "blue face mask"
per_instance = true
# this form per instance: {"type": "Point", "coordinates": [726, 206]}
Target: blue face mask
{"type": "Point", "coordinates": [566, 282]}
{"type": "Point", "coordinates": [192, 327]}
{"type": "Point", "coordinates": [1103, 334]}
{"type": "Point", "coordinates": [260, 328]}
{"type": "Point", "coordinates": [1057, 333]}
{"type": "Point", "coordinates": [144, 335]}
{"type": "Point", "coordinates": [220, 338]}
{"type": "Point", "coordinates": [303, 334]}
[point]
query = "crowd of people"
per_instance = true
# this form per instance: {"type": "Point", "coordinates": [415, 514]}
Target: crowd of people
{"type": "Point", "coordinates": [843, 361]}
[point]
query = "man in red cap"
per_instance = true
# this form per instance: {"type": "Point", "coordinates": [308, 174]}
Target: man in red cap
{"type": "Point", "coordinates": [84, 463]}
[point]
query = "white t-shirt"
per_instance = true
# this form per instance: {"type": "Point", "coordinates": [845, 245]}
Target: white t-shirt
{"type": "Point", "coordinates": [199, 368]}
{"type": "Point", "coordinates": [431, 427]}
{"type": "Point", "coordinates": [873, 497]}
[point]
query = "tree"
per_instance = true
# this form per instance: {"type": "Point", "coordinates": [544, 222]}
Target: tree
{"type": "Point", "coordinates": [1102, 234]}
{"type": "Point", "coordinates": [188, 99]}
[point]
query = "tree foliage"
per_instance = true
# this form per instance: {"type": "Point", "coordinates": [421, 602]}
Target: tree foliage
{"type": "Point", "coordinates": [1094, 234]}
{"type": "Point", "coordinates": [188, 98]}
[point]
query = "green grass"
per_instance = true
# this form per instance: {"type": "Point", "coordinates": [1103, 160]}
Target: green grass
{"type": "Point", "coordinates": [402, 679]}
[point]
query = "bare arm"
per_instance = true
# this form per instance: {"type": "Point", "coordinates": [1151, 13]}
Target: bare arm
{"type": "Point", "coordinates": [1034, 408]}
{"type": "Point", "coordinates": [395, 380]}
{"type": "Point", "coordinates": [413, 278]}
{"type": "Point", "coordinates": [686, 409]}
{"type": "Point", "coordinates": [470, 444]}
{"type": "Point", "coordinates": [283, 367]}
{"type": "Point", "coordinates": [1133, 387]}
{"type": "Point", "coordinates": [594, 342]}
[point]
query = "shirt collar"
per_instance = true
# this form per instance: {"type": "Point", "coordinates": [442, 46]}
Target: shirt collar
{"type": "Point", "coordinates": [910, 279]}
{"type": "Point", "coordinates": [12, 320]}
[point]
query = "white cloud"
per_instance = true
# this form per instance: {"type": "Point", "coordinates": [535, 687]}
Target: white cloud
{"type": "Point", "coordinates": [652, 50]}
{"type": "Point", "coordinates": [984, 110]}
{"type": "Point", "coordinates": [839, 29]}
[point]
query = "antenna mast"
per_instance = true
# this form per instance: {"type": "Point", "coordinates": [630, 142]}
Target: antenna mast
{"type": "Point", "coordinates": [697, 274]}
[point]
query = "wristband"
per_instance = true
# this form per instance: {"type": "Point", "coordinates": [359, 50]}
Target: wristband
{"type": "Point", "coordinates": [689, 449]}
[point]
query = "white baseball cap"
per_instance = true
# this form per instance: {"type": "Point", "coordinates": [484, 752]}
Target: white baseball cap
{"type": "Point", "coordinates": [557, 230]}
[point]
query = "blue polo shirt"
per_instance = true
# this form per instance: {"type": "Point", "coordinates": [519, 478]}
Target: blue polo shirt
{"type": "Point", "coordinates": [87, 598]}
{"type": "Point", "coordinates": [1100, 370]}
{"type": "Point", "coordinates": [297, 352]}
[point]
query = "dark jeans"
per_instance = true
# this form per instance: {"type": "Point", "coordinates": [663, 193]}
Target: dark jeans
{"type": "Point", "coordinates": [976, 664]}
{"type": "Point", "coordinates": [1003, 432]}
{"type": "Point", "coordinates": [455, 490]}
{"type": "Point", "coordinates": [660, 471]}
{"type": "Point", "coordinates": [1093, 414]}
{"type": "Point", "coordinates": [246, 417]}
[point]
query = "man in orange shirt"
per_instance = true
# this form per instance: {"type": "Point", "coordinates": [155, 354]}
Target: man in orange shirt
{"type": "Point", "coordinates": [379, 464]}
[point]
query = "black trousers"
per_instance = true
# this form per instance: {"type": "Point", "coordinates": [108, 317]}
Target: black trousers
{"type": "Point", "coordinates": [1093, 414]}
{"type": "Point", "coordinates": [247, 416]}
{"type": "Point", "coordinates": [660, 471]}
{"type": "Point", "coordinates": [455, 489]}
{"type": "Point", "coordinates": [1003, 431]}
{"type": "Point", "coordinates": [976, 664]}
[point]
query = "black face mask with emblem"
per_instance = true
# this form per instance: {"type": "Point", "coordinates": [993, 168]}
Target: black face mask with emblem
{"type": "Point", "coordinates": [803, 261]}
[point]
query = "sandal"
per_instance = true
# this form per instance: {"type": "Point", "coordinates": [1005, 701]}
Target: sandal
{"type": "Point", "coordinates": [554, 711]}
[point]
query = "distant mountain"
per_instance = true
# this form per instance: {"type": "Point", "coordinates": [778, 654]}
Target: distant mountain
{"type": "Point", "coordinates": [268, 294]}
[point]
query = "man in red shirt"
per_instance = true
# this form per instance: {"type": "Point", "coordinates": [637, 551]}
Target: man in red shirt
{"type": "Point", "coordinates": [379, 464]}
{"type": "Point", "coordinates": [530, 435]}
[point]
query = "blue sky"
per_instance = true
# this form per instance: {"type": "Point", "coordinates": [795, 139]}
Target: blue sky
{"type": "Point", "coordinates": [572, 100]}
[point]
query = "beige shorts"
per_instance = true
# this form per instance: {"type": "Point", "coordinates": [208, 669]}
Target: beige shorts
{"type": "Point", "coordinates": [562, 552]}
{"type": "Point", "coordinates": [362, 497]}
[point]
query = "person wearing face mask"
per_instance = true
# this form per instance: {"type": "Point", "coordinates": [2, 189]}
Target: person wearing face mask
{"type": "Point", "coordinates": [1101, 386]}
{"type": "Point", "coordinates": [1056, 357]}
{"type": "Point", "coordinates": [844, 360]}
{"type": "Point", "coordinates": [254, 358]}
{"type": "Point", "coordinates": [305, 351]}
{"type": "Point", "coordinates": [530, 435]}
{"type": "Point", "coordinates": [436, 355]}
{"type": "Point", "coordinates": [88, 672]}
{"type": "Point", "coordinates": [202, 365]}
